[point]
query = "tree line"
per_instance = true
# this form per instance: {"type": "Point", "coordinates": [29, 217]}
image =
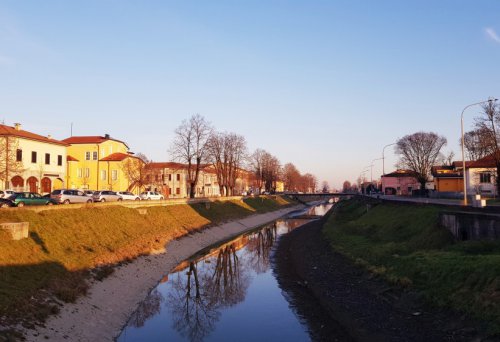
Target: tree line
{"type": "Point", "coordinates": [197, 144]}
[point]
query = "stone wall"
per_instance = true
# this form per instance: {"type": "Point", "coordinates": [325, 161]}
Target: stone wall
{"type": "Point", "coordinates": [471, 226]}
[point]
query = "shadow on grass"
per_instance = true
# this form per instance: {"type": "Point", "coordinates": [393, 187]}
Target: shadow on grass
{"type": "Point", "coordinates": [28, 292]}
{"type": "Point", "coordinates": [39, 241]}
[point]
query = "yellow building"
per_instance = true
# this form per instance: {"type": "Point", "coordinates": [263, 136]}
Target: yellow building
{"type": "Point", "coordinates": [102, 163]}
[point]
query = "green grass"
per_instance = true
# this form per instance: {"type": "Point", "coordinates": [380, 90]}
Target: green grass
{"type": "Point", "coordinates": [65, 247]}
{"type": "Point", "coordinates": [405, 244]}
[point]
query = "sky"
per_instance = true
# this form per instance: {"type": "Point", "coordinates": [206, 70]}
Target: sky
{"type": "Point", "coordinates": [324, 85]}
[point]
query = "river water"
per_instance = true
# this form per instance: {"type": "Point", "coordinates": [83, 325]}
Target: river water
{"type": "Point", "coordinates": [225, 293]}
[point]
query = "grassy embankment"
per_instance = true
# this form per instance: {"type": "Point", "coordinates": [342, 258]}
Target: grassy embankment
{"type": "Point", "coordinates": [66, 247]}
{"type": "Point", "coordinates": [406, 246]}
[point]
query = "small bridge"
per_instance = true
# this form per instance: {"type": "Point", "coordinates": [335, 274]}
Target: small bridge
{"type": "Point", "coordinates": [318, 196]}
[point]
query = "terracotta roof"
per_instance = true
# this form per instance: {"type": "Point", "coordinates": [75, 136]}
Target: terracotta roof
{"type": "Point", "coordinates": [11, 131]}
{"type": "Point", "coordinates": [401, 173]}
{"type": "Point", "coordinates": [445, 171]}
{"type": "Point", "coordinates": [90, 139]}
{"type": "Point", "coordinates": [117, 156]}
{"type": "Point", "coordinates": [70, 158]}
{"type": "Point", "coordinates": [488, 161]}
{"type": "Point", "coordinates": [166, 165]}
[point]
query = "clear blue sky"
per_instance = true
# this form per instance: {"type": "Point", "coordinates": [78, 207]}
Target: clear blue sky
{"type": "Point", "coordinates": [322, 84]}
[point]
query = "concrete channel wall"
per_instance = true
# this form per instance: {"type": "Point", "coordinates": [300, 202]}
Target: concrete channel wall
{"type": "Point", "coordinates": [471, 225]}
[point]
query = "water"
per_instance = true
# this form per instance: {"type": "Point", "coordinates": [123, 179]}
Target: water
{"type": "Point", "coordinates": [227, 294]}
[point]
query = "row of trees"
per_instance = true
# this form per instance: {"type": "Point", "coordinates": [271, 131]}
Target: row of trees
{"type": "Point", "coordinates": [420, 151]}
{"type": "Point", "coordinates": [197, 144]}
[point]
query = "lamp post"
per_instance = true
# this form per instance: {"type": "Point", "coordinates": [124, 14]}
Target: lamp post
{"type": "Point", "coordinates": [463, 153]}
{"type": "Point", "coordinates": [383, 157]}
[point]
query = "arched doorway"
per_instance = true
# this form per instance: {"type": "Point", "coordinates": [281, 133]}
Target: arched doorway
{"type": "Point", "coordinates": [46, 185]}
{"type": "Point", "coordinates": [58, 184]}
{"type": "Point", "coordinates": [32, 184]}
{"type": "Point", "coordinates": [17, 183]}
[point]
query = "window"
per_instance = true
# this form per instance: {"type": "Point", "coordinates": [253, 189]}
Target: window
{"type": "Point", "coordinates": [87, 155]}
{"type": "Point", "coordinates": [94, 155]}
{"type": "Point", "coordinates": [33, 157]}
{"type": "Point", "coordinates": [147, 178]}
{"type": "Point", "coordinates": [114, 174]}
{"type": "Point", "coordinates": [47, 158]}
{"type": "Point", "coordinates": [79, 173]}
{"type": "Point", "coordinates": [162, 177]}
{"type": "Point", "coordinates": [59, 160]}
{"type": "Point", "coordinates": [170, 177]}
{"type": "Point", "coordinates": [484, 177]}
{"type": "Point", "coordinates": [178, 176]}
{"type": "Point", "coordinates": [87, 172]}
{"type": "Point", "coordinates": [156, 178]}
{"type": "Point", "coordinates": [178, 191]}
{"type": "Point", "coordinates": [19, 155]}
{"type": "Point", "coordinates": [103, 174]}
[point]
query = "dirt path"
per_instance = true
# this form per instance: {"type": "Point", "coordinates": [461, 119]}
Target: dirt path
{"type": "Point", "coordinates": [342, 302]}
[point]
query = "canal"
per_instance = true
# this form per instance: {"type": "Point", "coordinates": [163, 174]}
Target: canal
{"type": "Point", "coordinates": [228, 292]}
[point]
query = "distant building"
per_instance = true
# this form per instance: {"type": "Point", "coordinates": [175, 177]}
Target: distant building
{"type": "Point", "coordinates": [447, 179]}
{"type": "Point", "coordinates": [400, 182]}
{"type": "Point", "coordinates": [481, 175]}
{"type": "Point", "coordinates": [31, 162]}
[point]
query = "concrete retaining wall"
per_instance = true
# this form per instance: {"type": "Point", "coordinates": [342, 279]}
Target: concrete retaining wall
{"type": "Point", "coordinates": [471, 226]}
{"type": "Point", "coordinates": [17, 230]}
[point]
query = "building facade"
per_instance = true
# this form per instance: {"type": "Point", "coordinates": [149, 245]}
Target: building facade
{"type": "Point", "coordinates": [31, 162]}
{"type": "Point", "coordinates": [400, 182]}
{"type": "Point", "coordinates": [101, 163]}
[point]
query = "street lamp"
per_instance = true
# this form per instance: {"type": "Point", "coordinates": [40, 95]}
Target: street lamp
{"type": "Point", "coordinates": [463, 153]}
{"type": "Point", "coordinates": [383, 158]}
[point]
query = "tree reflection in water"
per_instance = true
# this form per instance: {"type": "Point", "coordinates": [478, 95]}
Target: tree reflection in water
{"type": "Point", "coordinates": [148, 308]}
{"type": "Point", "coordinates": [259, 246]}
{"type": "Point", "coordinates": [197, 297]}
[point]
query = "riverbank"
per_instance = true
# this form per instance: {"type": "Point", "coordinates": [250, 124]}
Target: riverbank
{"type": "Point", "coordinates": [103, 312]}
{"type": "Point", "coordinates": [68, 248]}
{"type": "Point", "coordinates": [365, 301]}
{"type": "Point", "coordinates": [341, 301]}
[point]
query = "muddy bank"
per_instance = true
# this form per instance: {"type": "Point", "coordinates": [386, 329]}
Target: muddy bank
{"type": "Point", "coordinates": [340, 301]}
{"type": "Point", "coordinates": [101, 315]}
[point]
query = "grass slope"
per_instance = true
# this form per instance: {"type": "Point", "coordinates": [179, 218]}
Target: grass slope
{"type": "Point", "coordinates": [406, 245]}
{"type": "Point", "coordinates": [67, 246]}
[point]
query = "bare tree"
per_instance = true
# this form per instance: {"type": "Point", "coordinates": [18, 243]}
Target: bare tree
{"type": "Point", "coordinates": [346, 187]}
{"type": "Point", "coordinates": [190, 147]}
{"type": "Point", "coordinates": [325, 187]}
{"type": "Point", "coordinates": [135, 170]}
{"type": "Point", "coordinates": [477, 144]}
{"type": "Point", "coordinates": [291, 177]}
{"type": "Point", "coordinates": [9, 164]}
{"type": "Point", "coordinates": [418, 152]}
{"type": "Point", "coordinates": [257, 162]}
{"type": "Point", "coordinates": [226, 151]}
{"type": "Point", "coordinates": [486, 135]}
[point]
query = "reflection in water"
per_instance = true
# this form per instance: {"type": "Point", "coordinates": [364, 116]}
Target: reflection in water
{"type": "Point", "coordinates": [195, 302]}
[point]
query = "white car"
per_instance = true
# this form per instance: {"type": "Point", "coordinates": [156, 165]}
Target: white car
{"type": "Point", "coordinates": [151, 195]}
{"type": "Point", "coordinates": [6, 193]}
{"type": "Point", "coordinates": [128, 196]}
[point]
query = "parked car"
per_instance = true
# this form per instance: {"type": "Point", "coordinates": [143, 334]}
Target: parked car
{"type": "Point", "coordinates": [128, 196]}
{"type": "Point", "coordinates": [21, 199]}
{"type": "Point", "coordinates": [6, 203]}
{"type": "Point", "coordinates": [88, 193]}
{"type": "Point", "coordinates": [6, 193]}
{"type": "Point", "coordinates": [68, 196]}
{"type": "Point", "coordinates": [105, 196]}
{"type": "Point", "coordinates": [151, 195]}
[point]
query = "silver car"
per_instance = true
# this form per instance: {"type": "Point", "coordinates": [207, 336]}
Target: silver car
{"type": "Point", "coordinates": [67, 196]}
{"type": "Point", "coordinates": [106, 196]}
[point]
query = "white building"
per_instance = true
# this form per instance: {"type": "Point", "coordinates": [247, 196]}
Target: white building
{"type": "Point", "coordinates": [31, 162]}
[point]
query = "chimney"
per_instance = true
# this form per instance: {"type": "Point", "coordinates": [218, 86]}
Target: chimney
{"type": "Point", "coordinates": [17, 126]}
{"type": "Point", "coordinates": [106, 136]}
{"type": "Point", "coordinates": [49, 136]}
